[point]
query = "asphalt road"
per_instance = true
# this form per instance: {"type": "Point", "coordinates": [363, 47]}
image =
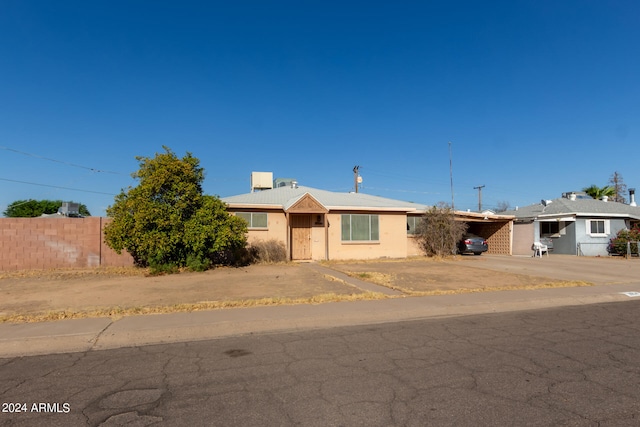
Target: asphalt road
{"type": "Point", "coordinates": [575, 366]}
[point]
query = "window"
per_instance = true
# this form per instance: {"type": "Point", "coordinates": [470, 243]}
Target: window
{"type": "Point", "coordinates": [553, 228]}
{"type": "Point", "coordinates": [254, 219]}
{"type": "Point", "coordinates": [412, 224]}
{"type": "Point", "coordinates": [549, 228]}
{"type": "Point", "coordinates": [598, 227]}
{"type": "Point", "coordinates": [360, 228]}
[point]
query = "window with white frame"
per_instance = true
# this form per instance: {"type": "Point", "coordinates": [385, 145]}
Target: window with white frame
{"type": "Point", "coordinates": [598, 227]}
{"type": "Point", "coordinates": [254, 219]}
{"type": "Point", "coordinates": [360, 228]}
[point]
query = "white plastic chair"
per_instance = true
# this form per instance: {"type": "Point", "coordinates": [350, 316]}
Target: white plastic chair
{"type": "Point", "coordinates": [539, 249]}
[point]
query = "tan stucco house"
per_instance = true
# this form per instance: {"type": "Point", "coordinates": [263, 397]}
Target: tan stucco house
{"type": "Point", "coordinates": [321, 225]}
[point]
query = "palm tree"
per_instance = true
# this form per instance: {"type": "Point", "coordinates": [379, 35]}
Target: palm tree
{"type": "Point", "coordinates": [598, 192]}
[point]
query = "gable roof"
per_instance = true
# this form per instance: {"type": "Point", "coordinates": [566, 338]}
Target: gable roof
{"type": "Point", "coordinates": [286, 197]}
{"type": "Point", "coordinates": [579, 207]}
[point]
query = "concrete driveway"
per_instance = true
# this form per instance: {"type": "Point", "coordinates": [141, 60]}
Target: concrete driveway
{"type": "Point", "coordinates": [597, 270]}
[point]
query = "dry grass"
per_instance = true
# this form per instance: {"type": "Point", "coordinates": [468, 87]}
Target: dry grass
{"type": "Point", "coordinates": [119, 312]}
{"type": "Point", "coordinates": [382, 279]}
{"type": "Point", "coordinates": [70, 273]}
{"type": "Point", "coordinates": [547, 285]}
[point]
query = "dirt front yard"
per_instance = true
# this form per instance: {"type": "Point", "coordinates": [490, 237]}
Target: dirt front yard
{"type": "Point", "coordinates": [46, 295]}
{"type": "Point", "coordinates": [120, 290]}
{"type": "Point", "coordinates": [442, 277]}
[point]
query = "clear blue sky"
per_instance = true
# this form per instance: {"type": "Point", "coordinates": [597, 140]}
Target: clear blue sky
{"type": "Point", "coordinates": [537, 97]}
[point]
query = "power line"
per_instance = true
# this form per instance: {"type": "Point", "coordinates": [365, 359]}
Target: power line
{"type": "Point", "coordinates": [369, 171]}
{"type": "Point", "coordinates": [55, 186]}
{"type": "Point", "coordinates": [401, 191]}
{"type": "Point", "coordinates": [60, 161]}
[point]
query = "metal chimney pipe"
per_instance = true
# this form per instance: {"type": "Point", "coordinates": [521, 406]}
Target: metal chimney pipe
{"type": "Point", "coordinates": [632, 197]}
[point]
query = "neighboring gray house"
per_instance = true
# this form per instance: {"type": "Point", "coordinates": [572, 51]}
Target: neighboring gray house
{"type": "Point", "coordinates": [576, 223]}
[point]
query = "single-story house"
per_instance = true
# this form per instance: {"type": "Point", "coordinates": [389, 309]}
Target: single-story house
{"type": "Point", "coordinates": [317, 224]}
{"type": "Point", "coordinates": [576, 224]}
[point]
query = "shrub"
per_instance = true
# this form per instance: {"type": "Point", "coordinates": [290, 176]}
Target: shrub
{"type": "Point", "coordinates": [158, 267]}
{"type": "Point", "coordinates": [618, 245]}
{"type": "Point", "coordinates": [197, 263]}
{"type": "Point", "coordinates": [239, 257]}
{"type": "Point", "coordinates": [166, 222]}
{"type": "Point", "coordinates": [267, 252]}
{"type": "Point", "coordinates": [438, 232]}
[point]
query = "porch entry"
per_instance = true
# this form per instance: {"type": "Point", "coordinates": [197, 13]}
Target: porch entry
{"type": "Point", "coordinates": [300, 236]}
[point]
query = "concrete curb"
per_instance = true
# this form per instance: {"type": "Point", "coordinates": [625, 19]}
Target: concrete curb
{"type": "Point", "coordinates": [63, 336]}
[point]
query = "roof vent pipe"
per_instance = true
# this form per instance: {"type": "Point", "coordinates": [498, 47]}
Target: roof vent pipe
{"type": "Point", "coordinates": [572, 196]}
{"type": "Point", "coordinates": [294, 184]}
{"type": "Point", "coordinates": [632, 197]}
{"type": "Point", "coordinates": [605, 198]}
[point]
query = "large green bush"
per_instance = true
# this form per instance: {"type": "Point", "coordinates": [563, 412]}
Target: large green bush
{"type": "Point", "coordinates": [166, 223]}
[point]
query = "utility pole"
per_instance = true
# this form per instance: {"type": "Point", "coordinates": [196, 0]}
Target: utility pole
{"type": "Point", "coordinates": [355, 177]}
{"type": "Point", "coordinates": [453, 207]}
{"type": "Point", "coordinates": [479, 188]}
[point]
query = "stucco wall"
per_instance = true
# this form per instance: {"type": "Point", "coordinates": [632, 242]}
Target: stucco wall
{"type": "Point", "coordinates": [565, 244]}
{"type": "Point", "coordinates": [413, 249]}
{"type": "Point", "coordinates": [523, 238]}
{"type": "Point", "coordinates": [596, 245]}
{"type": "Point", "coordinates": [317, 239]}
{"type": "Point", "coordinates": [392, 242]}
{"type": "Point", "coordinates": [276, 227]}
{"type": "Point", "coordinates": [41, 243]}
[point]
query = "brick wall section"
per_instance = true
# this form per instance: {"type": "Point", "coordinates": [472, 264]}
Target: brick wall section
{"type": "Point", "coordinates": [41, 243]}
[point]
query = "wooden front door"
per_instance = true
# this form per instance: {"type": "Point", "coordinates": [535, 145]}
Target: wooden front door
{"type": "Point", "coordinates": [300, 237]}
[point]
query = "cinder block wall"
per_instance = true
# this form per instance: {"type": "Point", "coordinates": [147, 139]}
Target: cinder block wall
{"type": "Point", "coordinates": [498, 235]}
{"type": "Point", "coordinates": [41, 243]}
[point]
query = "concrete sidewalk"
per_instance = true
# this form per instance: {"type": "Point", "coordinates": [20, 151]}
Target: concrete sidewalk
{"type": "Point", "coordinates": [102, 333]}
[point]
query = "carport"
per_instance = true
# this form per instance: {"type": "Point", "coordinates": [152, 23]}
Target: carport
{"type": "Point", "coordinates": [496, 229]}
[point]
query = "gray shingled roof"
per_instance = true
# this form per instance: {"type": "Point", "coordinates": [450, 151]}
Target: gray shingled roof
{"type": "Point", "coordinates": [579, 207]}
{"type": "Point", "coordinates": [284, 197]}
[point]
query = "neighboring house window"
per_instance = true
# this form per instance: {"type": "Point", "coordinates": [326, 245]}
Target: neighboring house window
{"type": "Point", "coordinates": [360, 228]}
{"type": "Point", "coordinates": [412, 224]}
{"type": "Point", "coordinates": [598, 227]}
{"type": "Point", "coordinates": [549, 228]}
{"type": "Point", "coordinates": [552, 229]}
{"type": "Point", "coordinates": [254, 219]}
